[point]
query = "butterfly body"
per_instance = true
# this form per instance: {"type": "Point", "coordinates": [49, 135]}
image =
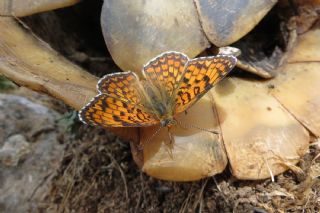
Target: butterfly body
{"type": "Point", "coordinates": [172, 83]}
{"type": "Point", "coordinates": [158, 103]}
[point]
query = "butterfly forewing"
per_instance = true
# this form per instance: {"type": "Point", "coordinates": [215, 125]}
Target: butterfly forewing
{"type": "Point", "coordinates": [200, 75]}
{"type": "Point", "coordinates": [107, 111]}
{"type": "Point", "coordinates": [165, 71]}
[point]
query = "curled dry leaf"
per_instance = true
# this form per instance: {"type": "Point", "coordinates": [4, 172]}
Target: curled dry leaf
{"type": "Point", "coordinates": [21, 8]}
{"type": "Point", "coordinates": [147, 28]}
{"type": "Point", "coordinates": [224, 22]}
{"type": "Point", "coordinates": [191, 153]}
{"type": "Point", "coordinates": [256, 129]}
{"type": "Point", "coordinates": [32, 63]}
{"type": "Point", "coordinates": [297, 86]}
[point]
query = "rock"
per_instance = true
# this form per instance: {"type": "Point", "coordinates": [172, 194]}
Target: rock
{"type": "Point", "coordinates": [26, 167]}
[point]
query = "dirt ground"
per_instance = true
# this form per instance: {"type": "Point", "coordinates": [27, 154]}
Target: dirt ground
{"type": "Point", "coordinates": [96, 172]}
{"type": "Point", "coordinates": [98, 175]}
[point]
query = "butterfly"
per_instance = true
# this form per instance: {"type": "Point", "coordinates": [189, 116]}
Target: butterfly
{"type": "Point", "coordinates": [172, 83]}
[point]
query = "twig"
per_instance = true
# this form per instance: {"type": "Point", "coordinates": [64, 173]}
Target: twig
{"type": "Point", "coordinates": [122, 176]}
{"type": "Point", "coordinates": [219, 189]}
{"type": "Point", "coordinates": [186, 201]}
{"type": "Point", "coordinates": [142, 186]}
{"type": "Point", "coordinates": [315, 158]}
{"type": "Point", "coordinates": [200, 197]}
{"type": "Point", "coordinates": [44, 179]}
{"type": "Point", "coordinates": [138, 202]}
{"type": "Point", "coordinates": [306, 204]}
{"type": "Point", "coordinates": [269, 169]}
{"type": "Point", "coordinates": [72, 166]}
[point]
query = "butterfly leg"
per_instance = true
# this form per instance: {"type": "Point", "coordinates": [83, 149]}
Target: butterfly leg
{"type": "Point", "coordinates": [171, 138]}
{"type": "Point", "coordinates": [169, 146]}
{"type": "Point", "coordinates": [140, 147]}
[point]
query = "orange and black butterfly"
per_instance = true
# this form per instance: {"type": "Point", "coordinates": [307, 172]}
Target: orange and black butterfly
{"type": "Point", "coordinates": [172, 83]}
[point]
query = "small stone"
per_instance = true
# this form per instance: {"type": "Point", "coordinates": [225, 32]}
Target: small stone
{"type": "Point", "coordinates": [15, 148]}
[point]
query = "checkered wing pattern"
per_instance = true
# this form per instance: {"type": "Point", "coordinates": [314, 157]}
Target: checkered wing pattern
{"type": "Point", "coordinates": [165, 71]}
{"type": "Point", "coordinates": [200, 75]}
{"type": "Point", "coordinates": [107, 111]}
{"type": "Point", "coordinates": [123, 85]}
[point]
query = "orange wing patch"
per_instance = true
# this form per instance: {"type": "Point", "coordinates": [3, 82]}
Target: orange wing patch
{"type": "Point", "coordinates": [107, 111]}
{"type": "Point", "coordinates": [166, 70]}
{"type": "Point", "coordinates": [200, 76]}
{"type": "Point", "coordinates": [122, 85]}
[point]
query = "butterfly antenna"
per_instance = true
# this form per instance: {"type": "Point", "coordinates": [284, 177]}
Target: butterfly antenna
{"type": "Point", "coordinates": [154, 134]}
{"type": "Point", "coordinates": [191, 126]}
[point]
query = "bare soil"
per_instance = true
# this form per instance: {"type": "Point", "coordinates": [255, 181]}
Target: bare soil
{"type": "Point", "coordinates": [98, 174]}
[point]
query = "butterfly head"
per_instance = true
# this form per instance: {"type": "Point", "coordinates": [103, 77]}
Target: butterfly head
{"type": "Point", "coordinates": [167, 122]}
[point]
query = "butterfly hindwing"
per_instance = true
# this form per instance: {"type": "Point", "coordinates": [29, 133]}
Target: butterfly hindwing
{"type": "Point", "coordinates": [107, 111]}
{"type": "Point", "coordinates": [200, 75]}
